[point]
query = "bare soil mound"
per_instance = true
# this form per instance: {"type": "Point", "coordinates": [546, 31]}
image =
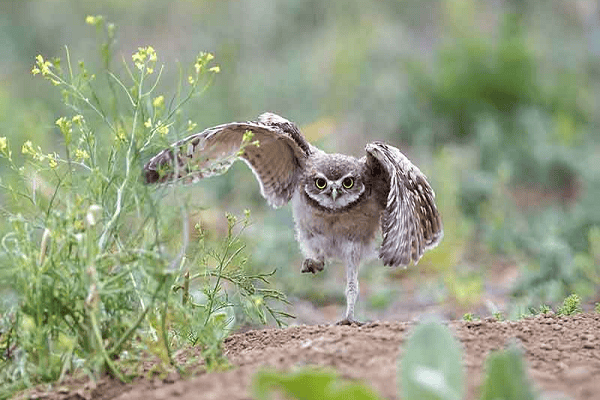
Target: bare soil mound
{"type": "Point", "coordinates": [562, 355]}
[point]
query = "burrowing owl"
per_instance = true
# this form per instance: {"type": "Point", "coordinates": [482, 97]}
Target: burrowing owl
{"type": "Point", "coordinates": [339, 202]}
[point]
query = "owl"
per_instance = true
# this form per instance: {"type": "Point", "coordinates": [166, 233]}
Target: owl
{"type": "Point", "coordinates": [339, 203]}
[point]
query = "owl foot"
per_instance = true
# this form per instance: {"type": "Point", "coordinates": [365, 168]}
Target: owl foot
{"type": "Point", "coordinates": [349, 322]}
{"type": "Point", "coordinates": [314, 266]}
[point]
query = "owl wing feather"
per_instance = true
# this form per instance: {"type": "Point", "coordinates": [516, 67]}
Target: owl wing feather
{"type": "Point", "coordinates": [410, 223]}
{"type": "Point", "coordinates": [275, 153]}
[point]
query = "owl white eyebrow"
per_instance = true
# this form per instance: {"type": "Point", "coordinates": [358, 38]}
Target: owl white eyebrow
{"type": "Point", "coordinates": [344, 177]}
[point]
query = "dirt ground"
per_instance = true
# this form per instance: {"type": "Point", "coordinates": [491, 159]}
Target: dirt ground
{"type": "Point", "coordinates": [562, 355]}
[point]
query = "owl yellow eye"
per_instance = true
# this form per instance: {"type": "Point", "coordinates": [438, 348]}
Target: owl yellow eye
{"type": "Point", "coordinates": [348, 183]}
{"type": "Point", "coordinates": [320, 183]}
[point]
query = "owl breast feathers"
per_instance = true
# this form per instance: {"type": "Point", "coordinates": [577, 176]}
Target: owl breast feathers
{"type": "Point", "coordinates": [383, 188]}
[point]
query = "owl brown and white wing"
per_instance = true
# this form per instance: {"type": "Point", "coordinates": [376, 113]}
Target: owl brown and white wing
{"type": "Point", "coordinates": [411, 222]}
{"type": "Point", "coordinates": [276, 160]}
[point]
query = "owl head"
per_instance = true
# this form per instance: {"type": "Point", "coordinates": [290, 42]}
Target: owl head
{"type": "Point", "coordinates": [334, 181]}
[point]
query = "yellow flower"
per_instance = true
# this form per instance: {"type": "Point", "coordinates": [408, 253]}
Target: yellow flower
{"type": "Point", "coordinates": [81, 154]}
{"type": "Point", "coordinates": [191, 80]}
{"type": "Point", "coordinates": [162, 129]}
{"type": "Point", "coordinates": [93, 20]}
{"type": "Point", "coordinates": [77, 119]}
{"type": "Point", "coordinates": [120, 135]}
{"type": "Point", "coordinates": [191, 125]}
{"type": "Point", "coordinates": [66, 127]}
{"type": "Point", "coordinates": [3, 144]}
{"type": "Point", "coordinates": [145, 57]}
{"type": "Point", "coordinates": [215, 69]}
{"type": "Point", "coordinates": [78, 225]}
{"type": "Point", "coordinates": [41, 66]}
{"type": "Point", "coordinates": [158, 102]}
{"type": "Point", "coordinates": [139, 58]}
{"type": "Point", "coordinates": [148, 123]}
{"type": "Point", "coordinates": [52, 161]}
{"type": "Point", "coordinates": [151, 53]}
{"type": "Point", "coordinates": [27, 148]}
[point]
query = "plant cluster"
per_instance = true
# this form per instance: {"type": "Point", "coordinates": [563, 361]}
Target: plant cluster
{"type": "Point", "coordinates": [93, 274]}
{"type": "Point", "coordinates": [430, 368]}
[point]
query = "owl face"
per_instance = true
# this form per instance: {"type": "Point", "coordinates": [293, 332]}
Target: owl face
{"type": "Point", "coordinates": [334, 184]}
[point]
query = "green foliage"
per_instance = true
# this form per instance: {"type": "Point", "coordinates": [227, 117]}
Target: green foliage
{"type": "Point", "coordinates": [570, 306]}
{"type": "Point", "coordinates": [476, 73]}
{"type": "Point", "coordinates": [481, 91]}
{"type": "Point", "coordinates": [560, 264]}
{"type": "Point", "coordinates": [468, 317]}
{"type": "Point", "coordinates": [505, 377]}
{"type": "Point", "coordinates": [597, 307]}
{"type": "Point", "coordinates": [431, 367]}
{"type": "Point", "coordinates": [544, 309]}
{"type": "Point", "coordinates": [92, 265]}
{"type": "Point", "coordinates": [309, 384]}
{"type": "Point", "coordinates": [531, 311]}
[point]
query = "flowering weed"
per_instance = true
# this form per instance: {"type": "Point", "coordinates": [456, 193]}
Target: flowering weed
{"type": "Point", "coordinates": [98, 275]}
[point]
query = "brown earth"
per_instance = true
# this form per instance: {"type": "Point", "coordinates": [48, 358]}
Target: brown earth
{"type": "Point", "coordinates": [562, 355]}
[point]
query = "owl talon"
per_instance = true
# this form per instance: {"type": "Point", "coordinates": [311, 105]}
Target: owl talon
{"type": "Point", "coordinates": [350, 322]}
{"type": "Point", "coordinates": [310, 265]}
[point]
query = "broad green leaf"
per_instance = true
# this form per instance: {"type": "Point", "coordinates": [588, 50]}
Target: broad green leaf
{"type": "Point", "coordinates": [431, 367]}
{"type": "Point", "coordinates": [505, 377]}
{"type": "Point", "coordinates": [310, 384]}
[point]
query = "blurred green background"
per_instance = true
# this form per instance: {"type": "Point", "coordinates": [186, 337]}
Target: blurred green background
{"type": "Point", "coordinates": [496, 101]}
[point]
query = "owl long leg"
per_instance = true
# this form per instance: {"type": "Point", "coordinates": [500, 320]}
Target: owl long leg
{"type": "Point", "coordinates": [351, 293]}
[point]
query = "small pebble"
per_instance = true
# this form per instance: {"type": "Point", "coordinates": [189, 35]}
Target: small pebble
{"type": "Point", "coordinates": [545, 346]}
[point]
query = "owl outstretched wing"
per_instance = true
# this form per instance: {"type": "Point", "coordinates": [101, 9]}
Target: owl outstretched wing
{"type": "Point", "coordinates": [411, 222]}
{"type": "Point", "coordinates": [276, 153]}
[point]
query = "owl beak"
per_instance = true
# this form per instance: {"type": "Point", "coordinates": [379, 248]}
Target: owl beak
{"type": "Point", "coordinates": [334, 193]}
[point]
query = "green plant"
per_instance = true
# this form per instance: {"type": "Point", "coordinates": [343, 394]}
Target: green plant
{"type": "Point", "coordinates": [597, 308]}
{"type": "Point", "coordinates": [556, 266]}
{"type": "Point", "coordinates": [505, 377]}
{"type": "Point", "coordinates": [93, 267]}
{"type": "Point", "coordinates": [309, 384]}
{"type": "Point", "coordinates": [498, 315]}
{"type": "Point", "coordinates": [570, 306]}
{"type": "Point", "coordinates": [214, 286]}
{"type": "Point", "coordinates": [468, 317]}
{"type": "Point", "coordinates": [430, 367]}
{"type": "Point", "coordinates": [544, 309]}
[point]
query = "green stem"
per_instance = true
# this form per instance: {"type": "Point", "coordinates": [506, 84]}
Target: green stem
{"type": "Point", "coordinates": [110, 224]}
{"type": "Point", "coordinates": [165, 335]}
{"type": "Point", "coordinates": [112, 368]}
{"type": "Point", "coordinates": [117, 347]}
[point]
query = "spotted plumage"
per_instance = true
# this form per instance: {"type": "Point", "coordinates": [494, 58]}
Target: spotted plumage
{"type": "Point", "coordinates": [339, 202]}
